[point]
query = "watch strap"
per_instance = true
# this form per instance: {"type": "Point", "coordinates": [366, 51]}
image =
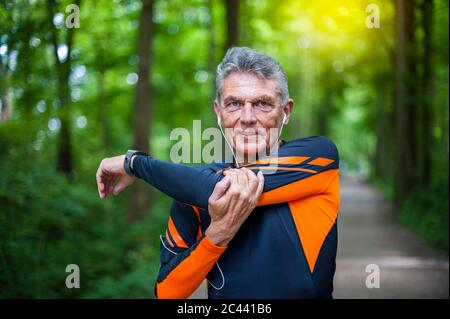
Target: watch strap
{"type": "Point", "coordinates": [127, 162]}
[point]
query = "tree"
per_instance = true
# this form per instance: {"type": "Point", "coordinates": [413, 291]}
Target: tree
{"type": "Point", "coordinates": [5, 92]}
{"type": "Point", "coordinates": [427, 82]}
{"type": "Point", "coordinates": [5, 75]}
{"type": "Point", "coordinates": [405, 108]}
{"type": "Point", "coordinates": [232, 16]}
{"type": "Point", "coordinates": [63, 70]}
{"type": "Point", "coordinates": [211, 64]}
{"type": "Point", "coordinates": [143, 105]}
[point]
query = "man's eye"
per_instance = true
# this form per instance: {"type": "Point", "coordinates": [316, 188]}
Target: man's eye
{"type": "Point", "coordinates": [233, 104]}
{"type": "Point", "coordinates": [263, 105]}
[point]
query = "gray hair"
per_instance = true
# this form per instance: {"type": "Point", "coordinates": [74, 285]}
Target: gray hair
{"type": "Point", "coordinates": [243, 59]}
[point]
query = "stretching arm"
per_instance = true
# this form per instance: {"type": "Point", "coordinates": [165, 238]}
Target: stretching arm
{"type": "Point", "coordinates": [304, 167]}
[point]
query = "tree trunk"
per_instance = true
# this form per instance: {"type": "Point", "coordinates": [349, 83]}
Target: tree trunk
{"type": "Point", "coordinates": [232, 14]}
{"type": "Point", "coordinates": [380, 146]}
{"type": "Point", "coordinates": [103, 63]}
{"type": "Point", "coordinates": [405, 110]}
{"type": "Point", "coordinates": [6, 102]}
{"type": "Point", "coordinates": [211, 52]}
{"type": "Point", "coordinates": [428, 93]}
{"type": "Point", "coordinates": [324, 106]}
{"type": "Point", "coordinates": [141, 194]}
{"type": "Point", "coordinates": [6, 93]}
{"type": "Point", "coordinates": [64, 141]}
{"type": "Point", "coordinates": [63, 69]}
{"type": "Point", "coordinates": [384, 131]}
{"type": "Point", "coordinates": [103, 114]}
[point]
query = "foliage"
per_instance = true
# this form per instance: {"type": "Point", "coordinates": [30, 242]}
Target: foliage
{"type": "Point", "coordinates": [426, 212]}
{"type": "Point", "coordinates": [341, 76]}
{"type": "Point", "coordinates": [47, 223]}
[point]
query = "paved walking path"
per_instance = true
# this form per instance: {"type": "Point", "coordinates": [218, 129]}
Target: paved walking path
{"type": "Point", "coordinates": [370, 234]}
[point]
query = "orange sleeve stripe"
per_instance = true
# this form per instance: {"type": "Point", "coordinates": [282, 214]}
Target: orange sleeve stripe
{"type": "Point", "coordinates": [299, 189]}
{"type": "Point", "coordinates": [175, 235]}
{"type": "Point", "coordinates": [169, 240]}
{"type": "Point", "coordinates": [199, 234]}
{"type": "Point", "coordinates": [197, 212]}
{"type": "Point", "coordinates": [314, 217]}
{"type": "Point", "coordinates": [280, 160]}
{"type": "Point", "coordinates": [189, 274]}
{"type": "Point", "coordinates": [321, 161]}
{"type": "Point", "coordinates": [269, 168]}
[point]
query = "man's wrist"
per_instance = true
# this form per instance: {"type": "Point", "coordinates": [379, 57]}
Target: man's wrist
{"type": "Point", "coordinates": [132, 161]}
{"type": "Point", "coordinates": [128, 161]}
{"type": "Point", "coordinates": [217, 235]}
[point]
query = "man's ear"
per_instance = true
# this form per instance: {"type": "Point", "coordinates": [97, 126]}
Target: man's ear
{"type": "Point", "coordinates": [216, 107]}
{"type": "Point", "coordinates": [217, 111]}
{"type": "Point", "coordinates": [288, 107]}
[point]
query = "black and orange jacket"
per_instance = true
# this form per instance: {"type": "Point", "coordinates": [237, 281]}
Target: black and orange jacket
{"type": "Point", "coordinates": [285, 249]}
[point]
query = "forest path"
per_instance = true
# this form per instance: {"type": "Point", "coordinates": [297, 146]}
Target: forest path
{"type": "Point", "coordinates": [369, 233]}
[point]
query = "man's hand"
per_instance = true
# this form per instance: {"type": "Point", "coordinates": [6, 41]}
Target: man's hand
{"type": "Point", "coordinates": [111, 176]}
{"type": "Point", "coordinates": [231, 202]}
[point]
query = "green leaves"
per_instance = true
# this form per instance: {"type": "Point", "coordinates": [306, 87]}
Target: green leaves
{"type": "Point", "coordinates": [426, 212]}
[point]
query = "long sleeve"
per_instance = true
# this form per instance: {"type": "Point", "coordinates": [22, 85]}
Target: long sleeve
{"type": "Point", "coordinates": [184, 183]}
{"type": "Point", "coordinates": [302, 168]}
{"type": "Point", "coordinates": [187, 256]}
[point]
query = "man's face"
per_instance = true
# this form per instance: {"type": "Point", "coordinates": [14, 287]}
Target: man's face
{"type": "Point", "coordinates": [251, 106]}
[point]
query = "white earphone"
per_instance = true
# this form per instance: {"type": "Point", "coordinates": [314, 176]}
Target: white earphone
{"type": "Point", "coordinates": [283, 123]}
{"type": "Point", "coordinates": [226, 140]}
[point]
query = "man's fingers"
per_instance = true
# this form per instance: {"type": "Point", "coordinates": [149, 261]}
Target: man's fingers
{"type": "Point", "coordinates": [107, 173]}
{"type": "Point", "coordinates": [100, 183]}
{"type": "Point", "coordinates": [236, 178]}
{"type": "Point", "coordinates": [112, 182]}
{"type": "Point", "coordinates": [107, 181]}
{"type": "Point", "coordinates": [260, 187]}
{"type": "Point", "coordinates": [232, 175]}
{"type": "Point", "coordinates": [246, 177]}
{"type": "Point", "coordinates": [120, 186]}
{"type": "Point", "coordinates": [242, 178]}
{"type": "Point", "coordinates": [220, 188]}
{"type": "Point", "coordinates": [252, 180]}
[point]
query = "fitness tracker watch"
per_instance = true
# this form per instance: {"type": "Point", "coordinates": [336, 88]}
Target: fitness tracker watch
{"type": "Point", "coordinates": [127, 162]}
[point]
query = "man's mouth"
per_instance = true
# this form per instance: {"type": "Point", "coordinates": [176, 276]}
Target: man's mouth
{"type": "Point", "coordinates": [248, 137]}
{"type": "Point", "coordinates": [248, 133]}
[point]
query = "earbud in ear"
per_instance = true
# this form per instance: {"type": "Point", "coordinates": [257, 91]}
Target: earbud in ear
{"type": "Point", "coordinates": [284, 118]}
{"type": "Point", "coordinates": [218, 120]}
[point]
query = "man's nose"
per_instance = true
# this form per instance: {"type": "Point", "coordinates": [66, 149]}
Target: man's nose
{"type": "Point", "coordinates": [247, 115]}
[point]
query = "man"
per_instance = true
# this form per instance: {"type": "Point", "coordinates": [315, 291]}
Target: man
{"type": "Point", "coordinates": [250, 236]}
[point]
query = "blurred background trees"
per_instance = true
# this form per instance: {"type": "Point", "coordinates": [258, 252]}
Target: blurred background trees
{"type": "Point", "coordinates": [134, 70]}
